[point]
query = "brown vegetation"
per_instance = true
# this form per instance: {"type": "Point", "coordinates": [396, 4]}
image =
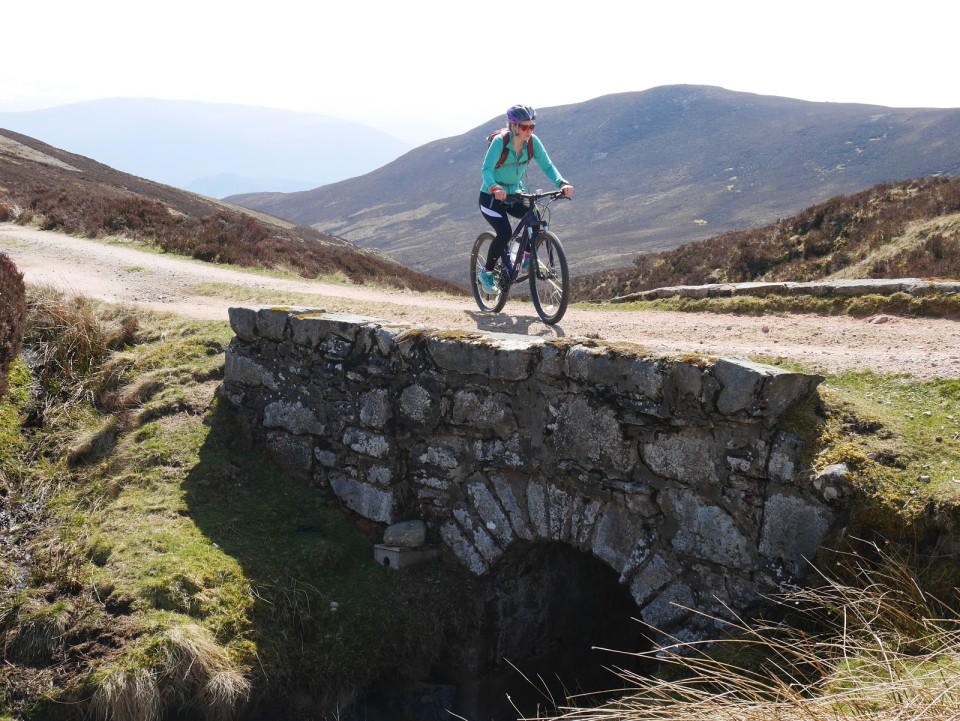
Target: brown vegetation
{"type": "Point", "coordinates": [73, 194]}
{"type": "Point", "coordinates": [13, 314]}
{"type": "Point", "coordinates": [849, 235]}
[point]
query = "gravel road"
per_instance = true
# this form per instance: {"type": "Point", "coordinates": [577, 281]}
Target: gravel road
{"type": "Point", "coordinates": [923, 348]}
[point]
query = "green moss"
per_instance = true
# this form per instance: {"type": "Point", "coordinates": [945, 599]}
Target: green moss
{"type": "Point", "coordinates": [901, 440]}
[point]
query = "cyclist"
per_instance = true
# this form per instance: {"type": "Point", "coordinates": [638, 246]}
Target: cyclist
{"type": "Point", "coordinates": [501, 179]}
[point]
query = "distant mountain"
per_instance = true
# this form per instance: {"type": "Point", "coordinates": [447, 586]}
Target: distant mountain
{"type": "Point", "coordinates": [653, 170]}
{"type": "Point", "coordinates": [212, 149]}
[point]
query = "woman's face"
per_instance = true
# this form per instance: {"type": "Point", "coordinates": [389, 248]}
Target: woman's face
{"type": "Point", "coordinates": [524, 128]}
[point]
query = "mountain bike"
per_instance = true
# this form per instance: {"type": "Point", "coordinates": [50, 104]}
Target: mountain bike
{"type": "Point", "coordinates": [547, 270]}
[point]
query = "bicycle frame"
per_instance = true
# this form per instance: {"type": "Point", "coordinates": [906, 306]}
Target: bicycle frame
{"type": "Point", "coordinates": [532, 219]}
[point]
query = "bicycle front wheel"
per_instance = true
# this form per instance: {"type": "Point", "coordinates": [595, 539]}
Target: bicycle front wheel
{"type": "Point", "coordinates": [549, 279]}
{"type": "Point", "coordinates": [488, 302]}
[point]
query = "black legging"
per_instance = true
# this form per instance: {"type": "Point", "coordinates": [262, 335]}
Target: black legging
{"type": "Point", "coordinates": [495, 212]}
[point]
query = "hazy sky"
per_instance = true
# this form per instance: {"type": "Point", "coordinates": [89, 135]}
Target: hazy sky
{"type": "Point", "coordinates": [424, 69]}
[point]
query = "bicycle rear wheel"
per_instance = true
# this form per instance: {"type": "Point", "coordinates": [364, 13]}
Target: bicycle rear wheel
{"type": "Point", "coordinates": [489, 303]}
{"type": "Point", "coordinates": [549, 279]}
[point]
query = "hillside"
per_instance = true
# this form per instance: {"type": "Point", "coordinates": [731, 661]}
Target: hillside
{"type": "Point", "coordinates": [654, 170]}
{"type": "Point", "coordinates": [211, 148]}
{"type": "Point", "coordinates": [63, 191]}
{"type": "Point", "coordinates": [908, 229]}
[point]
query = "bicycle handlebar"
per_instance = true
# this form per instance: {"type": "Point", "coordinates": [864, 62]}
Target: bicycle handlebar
{"type": "Point", "coordinates": [554, 194]}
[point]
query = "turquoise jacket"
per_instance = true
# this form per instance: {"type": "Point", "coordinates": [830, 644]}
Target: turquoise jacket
{"type": "Point", "coordinates": [509, 176]}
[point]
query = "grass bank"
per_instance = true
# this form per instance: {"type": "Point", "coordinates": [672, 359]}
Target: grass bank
{"type": "Point", "coordinates": [158, 566]}
{"type": "Point", "coordinates": [934, 305]}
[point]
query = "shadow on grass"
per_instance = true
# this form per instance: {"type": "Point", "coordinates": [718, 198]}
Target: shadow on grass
{"type": "Point", "coordinates": [326, 621]}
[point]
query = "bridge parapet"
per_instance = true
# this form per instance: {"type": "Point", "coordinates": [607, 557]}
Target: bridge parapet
{"type": "Point", "coordinates": [676, 472]}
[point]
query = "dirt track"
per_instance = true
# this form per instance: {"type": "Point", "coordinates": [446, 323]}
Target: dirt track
{"type": "Point", "coordinates": [922, 347]}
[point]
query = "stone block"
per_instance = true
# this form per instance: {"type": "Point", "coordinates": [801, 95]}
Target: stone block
{"type": "Point", "coordinates": [740, 382]}
{"type": "Point", "coordinates": [583, 518]}
{"type": "Point", "coordinates": [706, 531]}
{"type": "Point", "coordinates": [670, 607]}
{"type": "Point", "coordinates": [366, 442]}
{"type": "Point", "coordinates": [442, 454]}
{"type": "Point", "coordinates": [370, 502]}
{"type": "Point", "coordinates": [478, 534]}
{"type": "Point", "coordinates": [537, 510]}
{"type": "Point", "coordinates": [378, 475]}
{"type": "Point", "coordinates": [499, 356]}
{"type": "Point", "coordinates": [417, 404]}
{"type": "Point", "coordinates": [243, 321]}
{"type": "Point", "coordinates": [615, 537]}
{"type": "Point", "coordinates": [487, 411]}
{"type": "Point", "coordinates": [654, 576]}
{"type": "Point", "coordinates": [687, 456]}
{"type": "Point", "coordinates": [784, 458]}
{"type": "Point", "coordinates": [454, 538]}
{"type": "Point", "coordinates": [757, 389]}
{"type": "Point", "coordinates": [793, 529]}
{"type": "Point", "coordinates": [507, 497]}
{"type": "Point", "coordinates": [292, 416]}
{"type": "Point", "coordinates": [688, 382]}
{"type": "Point", "coordinates": [409, 534]}
{"type": "Point", "coordinates": [491, 514]}
{"type": "Point", "coordinates": [247, 372]}
{"type": "Point", "coordinates": [375, 408]}
{"type": "Point", "coordinates": [385, 338]}
{"type": "Point", "coordinates": [509, 454]}
{"type": "Point", "coordinates": [782, 390]}
{"type": "Point", "coordinates": [272, 323]}
{"type": "Point", "coordinates": [294, 454]}
{"type": "Point", "coordinates": [617, 370]}
{"type": "Point", "coordinates": [584, 431]}
{"type": "Point", "coordinates": [558, 513]}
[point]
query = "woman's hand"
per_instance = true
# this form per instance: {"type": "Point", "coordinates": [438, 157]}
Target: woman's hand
{"type": "Point", "coordinates": [497, 192]}
{"type": "Point", "coordinates": [567, 190]}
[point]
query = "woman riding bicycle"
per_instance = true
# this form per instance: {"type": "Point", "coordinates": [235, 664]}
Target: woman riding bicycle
{"type": "Point", "coordinates": [501, 179]}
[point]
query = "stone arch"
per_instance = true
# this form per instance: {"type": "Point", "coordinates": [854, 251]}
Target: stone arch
{"type": "Point", "coordinates": [496, 514]}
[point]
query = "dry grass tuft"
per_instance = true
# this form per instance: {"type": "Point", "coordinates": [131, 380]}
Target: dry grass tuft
{"type": "Point", "coordinates": [871, 646]}
{"type": "Point", "coordinates": [189, 670]}
{"type": "Point", "coordinates": [70, 340]}
{"type": "Point", "coordinates": [34, 629]}
{"type": "Point", "coordinates": [127, 696]}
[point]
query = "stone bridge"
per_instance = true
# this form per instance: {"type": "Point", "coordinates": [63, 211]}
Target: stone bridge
{"type": "Point", "coordinates": [681, 474]}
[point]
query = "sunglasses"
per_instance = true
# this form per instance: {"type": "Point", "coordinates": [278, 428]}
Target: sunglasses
{"type": "Point", "coordinates": [526, 126]}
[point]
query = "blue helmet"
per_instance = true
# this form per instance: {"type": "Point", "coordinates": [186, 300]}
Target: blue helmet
{"type": "Point", "coordinates": [519, 113]}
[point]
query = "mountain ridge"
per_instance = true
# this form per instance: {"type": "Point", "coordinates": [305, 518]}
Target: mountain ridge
{"type": "Point", "coordinates": [654, 170]}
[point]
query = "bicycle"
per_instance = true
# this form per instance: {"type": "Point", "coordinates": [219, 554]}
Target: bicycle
{"type": "Point", "coordinates": [547, 271]}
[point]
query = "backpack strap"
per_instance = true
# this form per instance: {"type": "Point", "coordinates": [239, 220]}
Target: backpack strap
{"type": "Point", "coordinates": [505, 136]}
